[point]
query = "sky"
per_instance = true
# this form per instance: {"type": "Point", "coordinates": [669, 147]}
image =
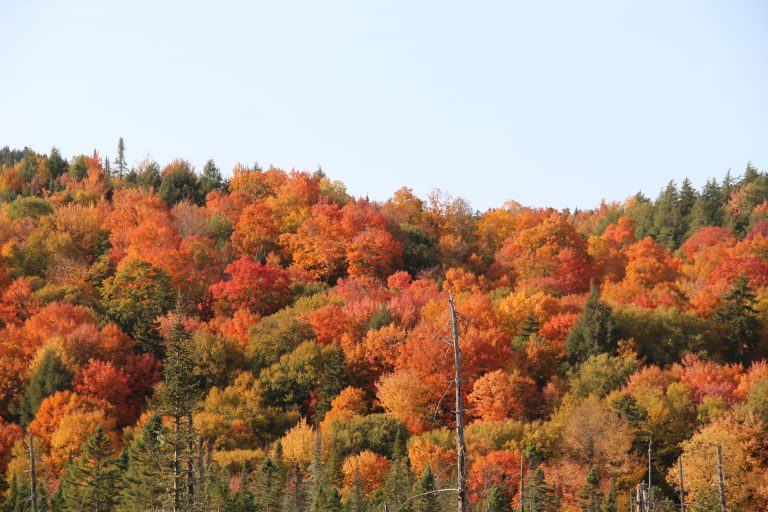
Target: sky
{"type": "Point", "coordinates": [547, 103]}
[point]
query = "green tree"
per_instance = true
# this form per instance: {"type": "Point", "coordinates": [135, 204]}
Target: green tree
{"type": "Point", "coordinates": [538, 496]}
{"type": "Point", "coordinates": [270, 482]}
{"type": "Point", "coordinates": [56, 164]}
{"type": "Point", "coordinates": [397, 483]}
{"type": "Point", "coordinates": [594, 333]}
{"type": "Point", "coordinates": [91, 480]}
{"type": "Point", "coordinates": [145, 479]}
{"type": "Point", "coordinates": [49, 377]}
{"type": "Point", "coordinates": [427, 502]}
{"type": "Point", "coordinates": [590, 497]}
{"type": "Point", "coordinates": [668, 223]}
{"type": "Point", "coordinates": [135, 297]}
{"type": "Point", "coordinates": [148, 176]}
{"type": "Point", "coordinates": [738, 323]}
{"type": "Point", "coordinates": [179, 182]}
{"type": "Point", "coordinates": [496, 500]}
{"type": "Point", "coordinates": [609, 504]}
{"type": "Point", "coordinates": [211, 178]}
{"type": "Point", "coordinates": [177, 394]}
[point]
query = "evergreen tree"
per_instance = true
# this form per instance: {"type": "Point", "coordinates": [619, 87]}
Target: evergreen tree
{"type": "Point", "coordinates": [145, 478]}
{"type": "Point", "coordinates": [428, 502]}
{"type": "Point", "coordinates": [594, 333]}
{"type": "Point", "coordinates": [686, 201]}
{"type": "Point", "coordinates": [92, 479]}
{"type": "Point", "coordinates": [120, 166]}
{"type": "Point", "coordinates": [397, 484]}
{"type": "Point", "coordinates": [609, 504]}
{"type": "Point", "coordinates": [590, 497]}
{"type": "Point", "coordinates": [707, 209]}
{"type": "Point", "coordinates": [293, 495]}
{"type": "Point", "coordinates": [496, 500]}
{"type": "Point", "coordinates": [148, 176]}
{"type": "Point", "coordinates": [179, 183]}
{"type": "Point", "coordinates": [56, 164]}
{"type": "Point", "coordinates": [667, 221]}
{"type": "Point", "coordinates": [737, 320]}
{"type": "Point", "coordinates": [49, 377]}
{"type": "Point", "coordinates": [538, 496]}
{"type": "Point", "coordinates": [177, 395]}
{"type": "Point", "coordinates": [211, 178]}
{"type": "Point", "coordinates": [357, 503]}
{"type": "Point", "coordinates": [270, 483]}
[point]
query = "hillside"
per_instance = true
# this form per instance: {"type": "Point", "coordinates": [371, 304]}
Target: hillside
{"type": "Point", "coordinates": [171, 339]}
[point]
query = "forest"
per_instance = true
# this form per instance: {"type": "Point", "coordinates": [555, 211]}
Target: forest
{"type": "Point", "coordinates": [172, 339]}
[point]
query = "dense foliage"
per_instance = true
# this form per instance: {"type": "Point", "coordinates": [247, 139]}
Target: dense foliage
{"type": "Point", "coordinates": [304, 365]}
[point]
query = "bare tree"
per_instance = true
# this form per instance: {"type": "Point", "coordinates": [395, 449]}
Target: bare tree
{"type": "Point", "coordinates": [461, 449]}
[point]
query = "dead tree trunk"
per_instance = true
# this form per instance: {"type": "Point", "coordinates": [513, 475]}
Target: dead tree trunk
{"type": "Point", "coordinates": [32, 473]}
{"type": "Point", "coordinates": [721, 478]}
{"type": "Point", "coordinates": [461, 449]}
{"type": "Point", "coordinates": [650, 489]}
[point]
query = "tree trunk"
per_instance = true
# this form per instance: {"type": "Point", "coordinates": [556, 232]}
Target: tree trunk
{"type": "Point", "coordinates": [461, 449]}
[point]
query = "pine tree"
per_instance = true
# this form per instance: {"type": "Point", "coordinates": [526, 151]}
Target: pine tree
{"type": "Point", "coordinates": [92, 479]}
{"type": "Point", "coordinates": [358, 499]}
{"type": "Point", "coordinates": [270, 483]}
{"type": "Point", "coordinates": [707, 209]}
{"type": "Point", "coordinates": [211, 178]}
{"type": "Point", "coordinates": [737, 319]}
{"type": "Point", "coordinates": [397, 484]}
{"type": "Point", "coordinates": [668, 223]}
{"type": "Point", "coordinates": [594, 333]}
{"type": "Point", "coordinates": [177, 395]}
{"type": "Point", "coordinates": [145, 478]}
{"type": "Point", "coordinates": [609, 504]}
{"type": "Point", "coordinates": [50, 376]}
{"type": "Point", "coordinates": [120, 166]}
{"type": "Point", "coordinates": [688, 196]}
{"type": "Point", "coordinates": [428, 502]}
{"type": "Point", "coordinates": [293, 495]}
{"type": "Point", "coordinates": [496, 500]}
{"type": "Point", "coordinates": [538, 496]}
{"type": "Point", "coordinates": [590, 497]}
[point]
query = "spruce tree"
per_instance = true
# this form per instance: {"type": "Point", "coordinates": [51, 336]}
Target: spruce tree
{"type": "Point", "coordinates": [594, 333]}
{"type": "Point", "coordinates": [426, 484]}
{"type": "Point", "coordinates": [538, 496]}
{"type": "Point", "coordinates": [50, 376]}
{"type": "Point", "coordinates": [738, 323]}
{"type": "Point", "coordinates": [609, 504]}
{"type": "Point", "coordinates": [211, 178]}
{"type": "Point", "coordinates": [707, 209]}
{"type": "Point", "coordinates": [496, 500]}
{"type": "Point", "coordinates": [357, 503]}
{"type": "Point", "coordinates": [145, 478]}
{"type": "Point", "coordinates": [667, 221]}
{"type": "Point", "coordinates": [92, 478]}
{"type": "Point", "coordinates": [177, 395]}
{"type": "Point", "coordinates": [590, 497]}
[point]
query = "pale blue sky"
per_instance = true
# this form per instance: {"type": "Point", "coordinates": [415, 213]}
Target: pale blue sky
{"type": "Point", "coordinates": [548, 103]}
